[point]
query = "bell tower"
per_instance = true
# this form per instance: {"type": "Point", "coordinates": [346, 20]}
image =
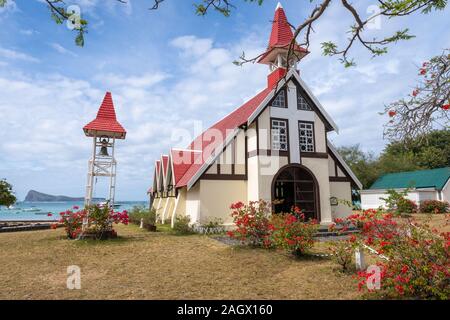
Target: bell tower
{"type": "Point", "coordinates": [277, 52]}
{"type": "Point", "coordinates": [104, 130]}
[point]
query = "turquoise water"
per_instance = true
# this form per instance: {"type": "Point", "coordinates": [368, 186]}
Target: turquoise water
{"type": "Point", "coordinates": [50, 210]}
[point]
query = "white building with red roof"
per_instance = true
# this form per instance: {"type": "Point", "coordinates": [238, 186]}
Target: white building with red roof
{"type": "Point", "coordinates": [273, 147]}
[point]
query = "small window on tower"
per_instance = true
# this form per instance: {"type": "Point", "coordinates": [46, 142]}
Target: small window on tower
{"type": "Point", "coordinates": [280, 100]}
{"type": "Point", "coordinates": [302, 104]}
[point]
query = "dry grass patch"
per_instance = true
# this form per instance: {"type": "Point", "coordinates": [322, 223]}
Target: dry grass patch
{"type": "Point", "coordinates": [143, 265]}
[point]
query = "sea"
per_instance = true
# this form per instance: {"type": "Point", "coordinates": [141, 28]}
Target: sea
{"type": "Point", "coordinates": [49, 211]}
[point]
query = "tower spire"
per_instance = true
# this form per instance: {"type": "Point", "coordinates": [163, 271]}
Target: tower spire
{"type": "Point", "coordinates": [280, 40]}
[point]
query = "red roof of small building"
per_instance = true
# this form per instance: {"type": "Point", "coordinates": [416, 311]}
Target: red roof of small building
{"type": "Point", "coordinates": [157, 166]}
{"type": "Point", "coordinates": [181, 161]}
{"type": "Point", "coordinates": [106, 121]}
{"type": "Point", "coordinates": [165, 161]}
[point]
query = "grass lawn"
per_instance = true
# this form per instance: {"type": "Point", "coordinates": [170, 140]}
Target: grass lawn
{"type": "Point", "coordinates": [144, 265]}
{"type": "Point", "coordinates": [160, 265]}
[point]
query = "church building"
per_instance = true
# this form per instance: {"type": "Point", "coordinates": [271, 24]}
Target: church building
{"type": "Point", "coordinates": [273, 147]}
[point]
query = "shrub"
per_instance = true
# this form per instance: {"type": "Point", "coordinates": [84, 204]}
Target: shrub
{"type": "Point", "coordinates": [292, 233]}
{"type": "Point", "coordinates": [434, 206]}
{"type": "Point", "coordinates": [213, 226]}
{"type": "Point", "coordinates": [252, 223]}
{"type": "Point", "coordinates": [182, 225]}
{"type": "Point", "coordinates": [342, 253]}
{"type": "Point", "coordinates": [73, 222]}
{"type": "Point", "coordinates": [417, 257]}
{"type": "Point", "coordinates": [406, 206]}
{"type": "Point", "coordinates": [397, 203]}
{"type": "Point", "coordinates": [138, 213]}
{"type": "Point", "coordinates": [99, 221]}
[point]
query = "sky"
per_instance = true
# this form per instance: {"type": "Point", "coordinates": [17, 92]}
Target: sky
{"type": "Point", "coordinates": [170, 70]}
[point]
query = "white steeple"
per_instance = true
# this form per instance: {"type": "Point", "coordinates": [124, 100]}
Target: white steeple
{"type": "Point", "coordinates": [279, 6]}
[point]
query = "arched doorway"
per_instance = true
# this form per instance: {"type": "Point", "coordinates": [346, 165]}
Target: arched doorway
{"type": "Point", "coordinates": [295, 185]}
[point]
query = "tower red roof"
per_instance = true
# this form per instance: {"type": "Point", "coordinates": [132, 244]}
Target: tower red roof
{"type": "Point", "coordinates": [281, 35]}
{"type": "Point", "coordinates": [106, 122]}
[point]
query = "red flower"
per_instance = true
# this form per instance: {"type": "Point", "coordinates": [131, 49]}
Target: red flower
{"type": "Point", "coordinates": [405, 269]}
{"type": "Point", "coordinates": [75, 207]}
{"type": "Point", "coordinates": [415, 92]}
{"type": "Point", "coordinates": [446, 106]}
{"type": "Point", "coordinates": [423, 71]}
{"type": "Point", "coordinates": [54, 226]}
{"type": "Point", "coordinates": [392, 113]}
{"type": "Point", "coordinates": [49, 214]}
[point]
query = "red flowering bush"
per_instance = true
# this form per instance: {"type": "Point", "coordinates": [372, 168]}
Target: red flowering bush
{"type": "Point", "coordinates": [252, 223]}
{"type": "Point", "coordinates": [98, 220]}
{"type": "Point", "coordinates": [72, 221]}
{"type": "Point", "coordinates": [434, 206]}
{"type": "Point", "coordinates": [418, 266]}
{"type": "Point", "coordinates": [256, 226]}
{"type": "Point", "coordinates": [291, 232]}
{"type": "Point", "coordinates": [416, 257]}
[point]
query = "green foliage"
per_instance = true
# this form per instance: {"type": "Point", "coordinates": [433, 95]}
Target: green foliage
{"type": "Point", "coordinates": [397, 202]}
{"type": "Point", "coordinates": [363, 164]}
{"type": "Point", "coordinates": [293, 234]}
{"type": "Point", "coordinates": [434, 206]}
{"type": "Point", "coordinates": [213, 226]}
{"type": "Point", "coordinates": [222, 6]}
{"type": "Point", "coordinates": [100, 216]}
{"type": "Point", "coordinates": [2, 3]}
{"type": "Point", "coordinates": [342, 253]}
{"type": "Point", "coordinates": [7, 197]}
{"type": "Point", "coordinates": [138, 213]}
{"type": "Point", "coordinates": [182, 225]}
{"type": "Point", "coordinates": [427, 152]}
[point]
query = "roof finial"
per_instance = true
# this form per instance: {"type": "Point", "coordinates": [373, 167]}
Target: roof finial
{"type": "Point", "coordinates": [279, 6]}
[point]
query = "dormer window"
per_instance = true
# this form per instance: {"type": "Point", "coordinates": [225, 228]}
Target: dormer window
{"type": "Point", "coordinates": [302, 104]}
{"type": "Point", "coordinates": [280, 100]}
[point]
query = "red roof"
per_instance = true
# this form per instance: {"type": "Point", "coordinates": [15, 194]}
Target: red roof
{"type": "Point", "coordinates": [225, 126]}
{"type": "Point", "coordinates": [281, 35]}
{"type": "Point", "coordinates": [157, 164]}
{"type": "Point", "coordinates": [165, 161]}
{"type": "Point", "coordinates": [182, 160]}
{"type": "Point", "coordinates": [106, 121]}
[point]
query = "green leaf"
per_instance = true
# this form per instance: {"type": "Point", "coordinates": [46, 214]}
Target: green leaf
{"type": "Point", "coordinates": [79, 40]}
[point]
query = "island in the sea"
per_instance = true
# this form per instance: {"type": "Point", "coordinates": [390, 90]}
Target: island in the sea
{"type": "Point", "coordinates": [35, 196]}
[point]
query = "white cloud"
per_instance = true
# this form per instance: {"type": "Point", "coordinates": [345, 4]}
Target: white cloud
{"type": "Point", "coordinates": [43, 116]}
{"type": "Point", "coordinates": [59, 48]}
{"type": "Point", "coordinates": [28, 32]}
{"type": "Point", "coordinates": [16, 55]}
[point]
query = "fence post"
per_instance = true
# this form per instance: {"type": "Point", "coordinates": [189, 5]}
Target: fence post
{"type": "Point", "coordinates": [360, 259]}
{"type": "Point", "coordinates": [142, 223]}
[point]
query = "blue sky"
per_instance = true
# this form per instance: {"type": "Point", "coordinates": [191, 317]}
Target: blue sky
{"type": "Point", "coordinates": [172, 69]}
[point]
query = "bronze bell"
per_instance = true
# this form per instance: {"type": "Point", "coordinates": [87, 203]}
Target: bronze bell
{"type": "Point", "coordinates": [104, 148]}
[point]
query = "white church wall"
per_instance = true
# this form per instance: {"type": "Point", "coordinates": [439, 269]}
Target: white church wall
{"type": "Point", "coordinates": [193, 203]}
